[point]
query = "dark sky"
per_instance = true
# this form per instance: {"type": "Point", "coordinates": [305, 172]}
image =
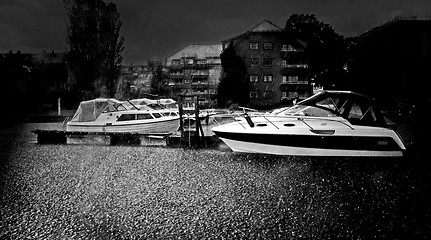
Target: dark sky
{"type": "Point", "coordinates": [155, 29]}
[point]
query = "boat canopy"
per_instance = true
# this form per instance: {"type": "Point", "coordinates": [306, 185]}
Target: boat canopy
{"type": "Point", "coordinates": [155, 103]}
{"type": "Point", "coordinates": [89, 110]}
{"type": "Point", "coordinates": [358, 109]}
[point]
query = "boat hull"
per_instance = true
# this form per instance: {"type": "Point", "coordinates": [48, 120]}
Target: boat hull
{"type": "Point", "coordinates": [142, 127]}
{"type": "Point", "coordinates": [252, 147]}
{"type": "Point", "coordinates": [377, 143]}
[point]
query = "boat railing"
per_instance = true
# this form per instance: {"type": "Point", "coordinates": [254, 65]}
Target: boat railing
{"type": "Point", "coordinates": [303, 119]}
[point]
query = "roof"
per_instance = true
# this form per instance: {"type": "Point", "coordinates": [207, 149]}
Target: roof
{"type": "Point", "coordinates": [266, 26]}
{"type": "Point", "coordinates": [201, 51]}
{"type": "Point", "coordinates": [396, 20]}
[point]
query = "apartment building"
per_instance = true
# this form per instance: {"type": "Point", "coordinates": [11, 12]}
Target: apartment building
{"type": "Point", "coordinates": [195, 70]}
{"type": "Point", "coordinates": [276, 63]}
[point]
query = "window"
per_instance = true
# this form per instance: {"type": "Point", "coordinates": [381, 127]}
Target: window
{"type": "Point", "coordinates": [253, 95]}
{"type": "Point", "coordinates": [144, 116]}
{"type": "Point", "coordinates": [284, 48]}
{"type": "Point", "coordinates": [293, 78]}
{"type": "Point", "coordinates": [254, 78]}
{"type": "Point", "coordinates": [202, 62]}
{"type": "Point", "coordinates": [254, 62]}
{"type": "Point", "coordinates": [267, 78]}
{"type": "Point", "coordinates": [267, 94]}
{"type": "Point", "coordinates": [283, 64]}
{"type": "Point", "coordinates": [176, 62]}
{"type": "Point", "coordinates": [284, 80]}
{"type": "Point", "coordinates": [127, 117]}
{"type": "Point", "coordinates": [267, 45]}
{"type": "Point", "coordinates": [267, 62]}
{"type": "Point", "coordinates": [157, 115]}
{"type": "Point", "coordinates": [254, 45]}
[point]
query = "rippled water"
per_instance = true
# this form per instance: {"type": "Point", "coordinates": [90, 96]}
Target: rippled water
{"type": "Point", "coordinates": [88, 191]}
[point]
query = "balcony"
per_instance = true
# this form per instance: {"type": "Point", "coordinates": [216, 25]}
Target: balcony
{"type": "Point", "coordinates": [295, 82]}
{"type": "Point", "coordinates": [176, 76]}
{"type": "Point", "coordinates": [200, 76]}
{"type": "Point", "coordinates": [294, 66]}
{"type": "Point", "coordinates": [295, 86]}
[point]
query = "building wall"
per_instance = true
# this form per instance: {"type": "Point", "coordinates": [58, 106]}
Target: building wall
{"type": "Point", "coordinates": [195, 70]}
{"type": "Point", "coordinates": [393, 59]}
{"type": "Point", "coordinates": [288, 63]}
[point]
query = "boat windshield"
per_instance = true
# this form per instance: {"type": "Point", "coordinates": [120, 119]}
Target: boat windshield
{"type": "Point", "coordinates": [302, 110]}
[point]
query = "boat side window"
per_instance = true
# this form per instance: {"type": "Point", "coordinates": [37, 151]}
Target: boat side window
{"type": "Point", "coordinates": [335, 104]}
{"type": "Point", "coordinates": [121, 107]}
{"type": "Point", "coordinates": [127, 117]}
{"type": "Point", "coordinates": [157, 115]}
{"type": "Point", "coordinates": [362, 114]}
{"type": "Point", "coordinates": [144, 116]}
{"type": "Point", "coordinates": [109, 108]}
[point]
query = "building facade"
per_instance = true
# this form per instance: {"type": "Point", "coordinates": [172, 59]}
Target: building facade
{"type": "Point", "coordinates": [137, 78]}
{"type": "Point", "coordinates": [195, 70]}
{"type": "Point", "coordinates": [277, 66]}
{"type": "Point", "coordinates": [394, 59]}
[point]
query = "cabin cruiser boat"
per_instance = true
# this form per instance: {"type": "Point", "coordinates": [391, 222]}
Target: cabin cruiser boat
{"type": "Point", "coordinates": [111, 115]}
{"type": "Point", "coordinates": [329, 123]}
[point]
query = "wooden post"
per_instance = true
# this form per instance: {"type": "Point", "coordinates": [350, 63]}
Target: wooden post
{"type": "Point", "coordinates": [59, 106]}
{"type": "Point", "coordinates": [180, 111]}
{"type": "Point", "coordinates": [199, 131]}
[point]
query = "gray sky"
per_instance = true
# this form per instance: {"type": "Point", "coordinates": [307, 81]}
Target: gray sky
{"type": "Point", "coordinates": [155, 29]}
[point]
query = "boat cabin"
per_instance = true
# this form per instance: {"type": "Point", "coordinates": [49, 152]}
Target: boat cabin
{"type": "Point", "coordinates": [356, 108]}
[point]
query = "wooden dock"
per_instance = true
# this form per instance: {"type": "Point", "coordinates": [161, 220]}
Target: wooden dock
{"type": "Point", "coordinates": [60, 136]}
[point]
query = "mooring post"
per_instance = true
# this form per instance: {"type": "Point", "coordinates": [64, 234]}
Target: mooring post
{"type": "Point", "coordinates": [197, 122]}
{"type": "Point", "coordinates": [59, 106]}
{"type": "Point", "coordinates": [180, 111]}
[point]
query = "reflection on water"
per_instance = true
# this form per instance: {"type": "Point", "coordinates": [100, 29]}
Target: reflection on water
{"type": "Point", "coordinates": [86, 190]}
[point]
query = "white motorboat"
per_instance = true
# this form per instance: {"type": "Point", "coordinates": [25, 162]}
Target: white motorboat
{"type": "Point", "coordinates": [330, 123]}
{"type": "Point", "coordinates": [111, 115]}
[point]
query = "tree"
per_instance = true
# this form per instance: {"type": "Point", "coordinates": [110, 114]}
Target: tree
{"type": "Point", "coordinates": [94, 47]}
{"type": "Point", "coordinates": [159, 81]}
{"type": "Point", "coordinates": [327, 50]}
{"type": "Point", "coordinates": [233, 86]}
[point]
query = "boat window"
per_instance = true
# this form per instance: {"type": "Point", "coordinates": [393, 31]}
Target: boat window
{"type": "Point", "coordinates": [301, 110]}
{"type": "Point", "coordinates": [143, 116]}
{"type": "Point", "coordinates": [110, 108]}
{"type": "Point", "coordinates": [121, 107]}
{"type": "Point", "coordinates": [362, 114]}
{"type": "Point", "coordinates": [155, 106]}
{"type": "Point", "coordinates": [333, 103]}
{"type": "Point", "coordinates": [157, 115]}
{"type": "Point", "coordinates": [127, 117]}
